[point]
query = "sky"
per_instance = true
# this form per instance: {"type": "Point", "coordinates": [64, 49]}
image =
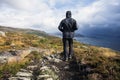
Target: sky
{"type": "Point", "coordinates": [46, 14]}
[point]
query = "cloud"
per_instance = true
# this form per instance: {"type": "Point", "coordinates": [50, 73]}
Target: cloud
{"type": "Point", "coordinates": [100, 12]}
{"type": "Point", "coordinates": [46, 14]}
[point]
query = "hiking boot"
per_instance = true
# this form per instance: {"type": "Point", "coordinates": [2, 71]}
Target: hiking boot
{"type": "Point", "coordinates": [70, 57]}
{"type": "Point", "coordinates": [67, 59]}
{"type": "Point", "coordinates": [64, 59]}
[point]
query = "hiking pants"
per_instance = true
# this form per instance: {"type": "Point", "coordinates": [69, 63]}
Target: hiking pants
{"type": "Point", "coordinates": [68, 44]}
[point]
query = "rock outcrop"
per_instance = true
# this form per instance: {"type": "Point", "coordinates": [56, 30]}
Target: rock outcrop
{"type": "Point", "coordinates": [2, 34]}
{"type": "Point", "coordinates": [50, 67]}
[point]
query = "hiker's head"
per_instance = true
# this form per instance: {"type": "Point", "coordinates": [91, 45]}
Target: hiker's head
{"type": "Point", "coordinates": [68, 14]}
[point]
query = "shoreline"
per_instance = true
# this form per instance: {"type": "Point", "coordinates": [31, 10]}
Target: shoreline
{"type": "Point", "coordinates": [95, 43]}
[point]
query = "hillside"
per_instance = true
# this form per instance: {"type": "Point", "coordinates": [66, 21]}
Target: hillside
{"type": "Point", "coordinates": [20, 30]}
{"type": "Point", "coordinates": [89, 62]}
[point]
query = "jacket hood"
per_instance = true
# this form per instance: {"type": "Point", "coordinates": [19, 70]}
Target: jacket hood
{"type": "Point", "coordinates": [68, 14]}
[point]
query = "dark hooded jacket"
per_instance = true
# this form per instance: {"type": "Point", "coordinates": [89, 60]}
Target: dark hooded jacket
{"type": "Point", "coordinates": [68, 26]}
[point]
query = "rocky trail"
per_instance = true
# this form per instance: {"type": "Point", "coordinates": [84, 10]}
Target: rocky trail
{"type": "Point", "coordinates": [49, 68]}
{"type": "Point", "coordinates": [52, 67]}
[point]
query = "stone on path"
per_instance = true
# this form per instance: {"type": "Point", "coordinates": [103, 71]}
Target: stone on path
{"type": "Point", "coordinates": [43, 76]}
{"type": "Point", "coordinates": [57, 60]}
{"type": "Point", "coordinates": [23, 70]}
{"type": "Point", "coordinates": [66, 67]}
{"type": "Point", "coordinates": [32, 67]}
{"type": "Point", "coordinates": [44, 68]}
{"type": "Point", "coordinates": [20, 78]}
{"type": "Point", "coordinates": [49, 79]}
{"type": "Point", "coordinates": [24, 74]}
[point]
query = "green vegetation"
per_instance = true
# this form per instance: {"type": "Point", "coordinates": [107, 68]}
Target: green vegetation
{"type": "Point", "coordinates": [34, 55]}
{"type": "Point", "coordinates": [10, 69]}
{"type": "Point", "coordinates": [103, 62]}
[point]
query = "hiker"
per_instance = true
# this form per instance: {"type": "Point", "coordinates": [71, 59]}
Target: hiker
{"type": "Point", "coordinates": [67, 27]}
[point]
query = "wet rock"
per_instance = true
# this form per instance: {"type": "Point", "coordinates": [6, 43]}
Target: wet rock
{"type": "Point", "coordinates": [43, 62]}
{"type": "Point", "coordinates": [23, 70]}
{"type": "Point", "coordinates": [57, 60]}
{"type": "Point", "coordinates": [20, 78]}
{"type": "Point", "coordinates": [49, 79]}
{"type": "Point", "coordinates": [32, 67]}
{"type": "Point", "coordinates": [52, 56]}
{"type": "Point", "coordinates": [43, 77]}
{"type": "Point", "coordinates": [51, 71]}
{"type": "Point", "coordinates": [44, 68]}
{"type": "Point", "coordinates": [55, 68]}
{"type": "Point", "coordinates": [48, 58]}
{"type": "Point", "coordinates": [66, 67]}
{"type": "Point", "coordinates": [13, 78]}
{"type": "Point", "coordinates": [24, 74]}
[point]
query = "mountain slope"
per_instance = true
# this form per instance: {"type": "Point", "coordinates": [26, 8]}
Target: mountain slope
{"type": "Point", "coordinates": [91, 62]}
{"type": "Point", "coordinates": [20, 30]}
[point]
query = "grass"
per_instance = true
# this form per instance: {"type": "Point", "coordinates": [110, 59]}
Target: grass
{"type": "Point", "coordinates": [101, 60]}
{"type": "Point", "coordinates": [104, 62]}
{"type": "Point", "coordinates": [10, 69]}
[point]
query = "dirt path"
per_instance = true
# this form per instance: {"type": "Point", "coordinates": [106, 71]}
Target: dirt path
{"type": "Point", "coordinates": [67, 70]}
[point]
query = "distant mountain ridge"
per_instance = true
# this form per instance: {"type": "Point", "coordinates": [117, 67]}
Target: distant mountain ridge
{"type": "Point", "coordinates": [28, 31]}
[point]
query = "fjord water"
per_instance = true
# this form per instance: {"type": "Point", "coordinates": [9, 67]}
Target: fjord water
{"type": "Point", "coordinates": [109, 42]}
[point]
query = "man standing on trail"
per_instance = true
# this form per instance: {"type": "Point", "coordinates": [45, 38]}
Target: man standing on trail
{"type": "Point", "coordinates": [67, 27]}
